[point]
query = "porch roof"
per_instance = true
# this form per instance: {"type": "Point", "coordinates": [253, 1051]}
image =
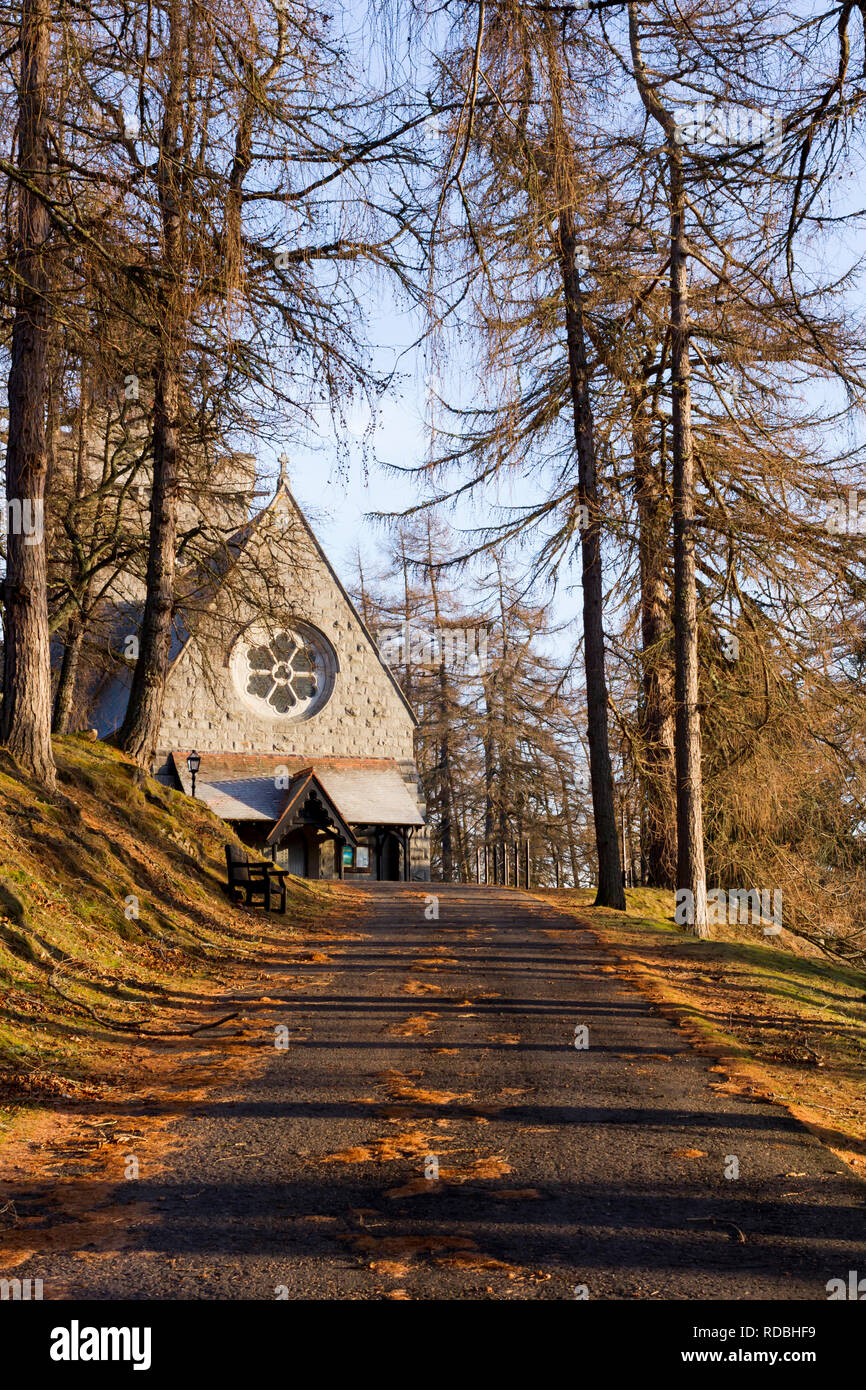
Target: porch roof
{"type": "Point", "coordinates": [300, 788]}
{"type": "Point", "coordinates": [243, 786]}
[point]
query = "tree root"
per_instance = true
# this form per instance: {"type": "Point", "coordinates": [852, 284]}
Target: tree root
{"type": "Point", "coordinates": [138, 1027]}
{"type": "Point", "coordinates": [735, 1232]}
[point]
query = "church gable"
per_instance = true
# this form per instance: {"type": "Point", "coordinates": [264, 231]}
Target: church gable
{"type": "Point", "coordinates": [279, 659]}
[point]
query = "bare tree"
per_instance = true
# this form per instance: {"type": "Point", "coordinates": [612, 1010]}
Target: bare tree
{"type": "Point", "coordinates": [691, 872]}
{"type": "Point", "coordinates": [25, 716]}
{"type": "Point", "coordinates": [561, 165]}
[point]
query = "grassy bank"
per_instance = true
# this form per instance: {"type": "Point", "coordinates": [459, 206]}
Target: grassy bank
{"type": "Point", "coordinates": [114, 923]}
{"type": "Point", "coordinates": [780, 1023]}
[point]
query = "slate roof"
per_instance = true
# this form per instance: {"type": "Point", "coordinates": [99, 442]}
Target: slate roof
{"type": "Point", "coordinates": [242, 786]}
{"type": "Point", "coordinates": [368, 797]}
{"type": "Point", "coordinates": [247, 798]}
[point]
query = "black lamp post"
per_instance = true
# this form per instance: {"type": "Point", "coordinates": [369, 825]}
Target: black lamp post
{"type": "Point", "coordinates": [193, 762]}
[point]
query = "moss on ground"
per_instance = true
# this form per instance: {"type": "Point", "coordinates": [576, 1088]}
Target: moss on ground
{"type": "Point", "coordinates": [112, 891]}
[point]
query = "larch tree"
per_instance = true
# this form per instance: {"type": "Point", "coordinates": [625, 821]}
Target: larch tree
{"type": "Point", "coordinates": [254, 170]}
{"type": "Point", "coordinates": [691, 869]}
{"type": "Point", "coordinates": [25, 714]}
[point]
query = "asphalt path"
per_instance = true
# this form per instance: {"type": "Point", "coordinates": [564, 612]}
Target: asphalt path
{"type": "Point", "coordinates": [614, 1169]}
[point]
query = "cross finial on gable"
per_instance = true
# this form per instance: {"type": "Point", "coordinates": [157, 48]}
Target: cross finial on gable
{"type": "Point", "coordinates": [284, 469]}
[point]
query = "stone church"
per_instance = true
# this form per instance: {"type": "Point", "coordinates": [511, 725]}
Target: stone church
{"type": "Point", "coordinates": [305, 738]}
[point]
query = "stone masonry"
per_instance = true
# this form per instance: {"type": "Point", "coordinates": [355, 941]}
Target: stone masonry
{"type": "Point", "coordinates": [283, 574]}
{"type": "Point", "coordinates": [365, 715]}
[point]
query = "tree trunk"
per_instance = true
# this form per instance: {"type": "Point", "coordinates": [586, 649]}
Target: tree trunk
{"type": "Point", "coordinates": [568, 816]}
{"type": "Point", "coordinates": [610, 890]}
{"type": "Point", "coordinates": [64, 695]}
{"type": "Point", "coordinates": [657, 771]}
{"type": "Point", "coordinates": [489, 760]}
{"type": "Point", "coordinates": [25, 717]}
{"type": "Point", "coordinates": [464, 867]}
{"type": "Point", "coordinates": [691, 874]}
{"type": "Point", "coordinates": [445, 823]}
{"type": "Point", "coordinates": [140, 729]}
{"type": "Point", "coordinates": [445, 778]}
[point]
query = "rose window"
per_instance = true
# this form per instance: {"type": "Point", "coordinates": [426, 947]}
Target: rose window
{"type": "Point", "coordinates": [283, 673]}
{"type": "Point", "coordinates": [287, 673]}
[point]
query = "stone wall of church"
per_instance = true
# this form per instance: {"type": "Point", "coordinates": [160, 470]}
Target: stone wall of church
{"type": "Point", "coordinates": [419, 854]}
{"type": "Point", "coordinates": [364, 717]}
{"type": "Point", "coordinates": [281, 577]}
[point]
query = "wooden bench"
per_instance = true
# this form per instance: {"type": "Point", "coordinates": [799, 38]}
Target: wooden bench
{"type": "Point", "coordinates": [254, 877]}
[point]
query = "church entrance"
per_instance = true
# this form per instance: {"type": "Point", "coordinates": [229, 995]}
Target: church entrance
{"type": "Point", "coordinates": [294, 854]}
{"type": "Point", "coordinates": [391, 856]}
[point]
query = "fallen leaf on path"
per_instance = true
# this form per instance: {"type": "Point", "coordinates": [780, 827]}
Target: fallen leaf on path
{"type": "Point", "coordinates": [401, 1089]}
{"type": "Point", "coordinates": [489, 1167]}
{"type": "Point", "coordinates": [470, 1261]}
{"type": "Point", "coordinates": [413, 1144]}
{"type": "Point", "coordinates": [360, 1154]}
{"type": "Point", "coordinates": [688, 1153]}
{"type": "Point", "coordinates": [110, 1231]}
{"type": "Point", "coordinates": [407, 1246]}
{"type": "Point", "coordinates": [418, 1026]}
